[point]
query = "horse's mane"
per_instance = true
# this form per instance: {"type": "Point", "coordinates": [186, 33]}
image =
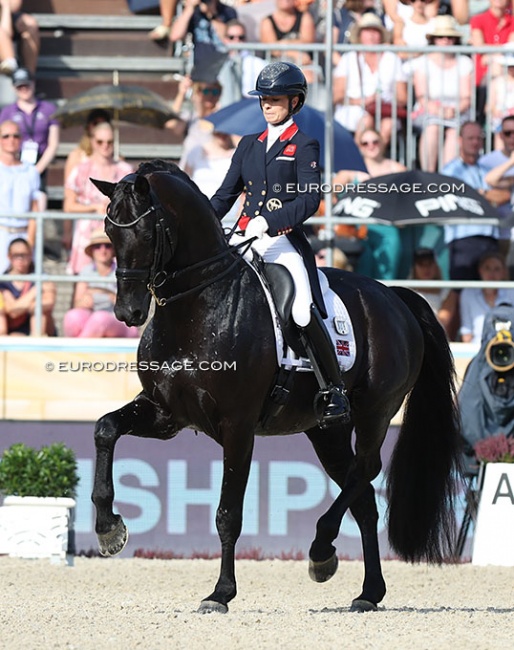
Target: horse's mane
{"type": "Point", "coordinates": [157, 165]}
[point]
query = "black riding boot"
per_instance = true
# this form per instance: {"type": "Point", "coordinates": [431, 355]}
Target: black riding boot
{"type": "Point", "coordinates": [331, 404]}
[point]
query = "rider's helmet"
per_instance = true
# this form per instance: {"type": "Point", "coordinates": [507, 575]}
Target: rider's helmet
{"type": "Point", "coordinates": [281, 78]}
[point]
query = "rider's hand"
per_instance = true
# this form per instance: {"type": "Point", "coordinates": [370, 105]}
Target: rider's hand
{"type": "Point", "coordinates": [256, 227]}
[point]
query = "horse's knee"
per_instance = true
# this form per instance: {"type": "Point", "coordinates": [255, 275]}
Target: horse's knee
{"type": "Point", "coordinates": [106, 432]}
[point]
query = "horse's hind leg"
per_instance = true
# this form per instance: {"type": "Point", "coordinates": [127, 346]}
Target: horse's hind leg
{"type": "Point", "coordinates": [140, 418]}
{"type": "Point", "coordinates": [365, 513]}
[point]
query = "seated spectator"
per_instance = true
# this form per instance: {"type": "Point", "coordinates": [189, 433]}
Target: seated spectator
{"type": "Point", "coordinates": [18, 27]}
{"type": "Point", "coordinates": [443, 301]}
{"type": "Point", "coordinates": [84, 149]}
{"type": "Point", "coordinates": [92, 315]}
{"type": "Point", "coordinates": [39, 131]}
{"type": "Point", "coordinates": [468, 242]}
{"type": "Point", "coordinates": [476, 303]}
{"type": "Point", "coordinates": [339, 259]}
{"type": "Point", "coordinates": [81, 196]}
{"type": "Point", "coordinates": [442, 87]}
{"type": "Point", "coordinates": [492, 27]}
{"type": "Point", "coordinates": [205, 100]}
{"type": "Point", "coordinates": [360, 79]}
{"type": "Point", "coordinates": [500, 99]}
{"type": "Point", "coordinates": [20, 296]}
{"type": "Point", "coordinates": [207, 164]}
{"type": "Point", "coordinates": [167, 11]}
{"type": "Point", "coordinates": [239, 72]}
{"type": "Point", "coordinates": [207, 23]}
{"type": "Point", "coordinates": [412, 30]}
{"type": "Point", "coordinates": [401, 10]}
{"type": "Point", "coordinates": [19, 191]}
{"type": "Point", "coordinates": [381, 249]}
{"type": "Point", "coordinates": [289, 24]}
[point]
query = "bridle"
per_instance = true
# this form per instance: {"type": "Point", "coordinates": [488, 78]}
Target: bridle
{"type": "Point", "coordinates": [155, 276]}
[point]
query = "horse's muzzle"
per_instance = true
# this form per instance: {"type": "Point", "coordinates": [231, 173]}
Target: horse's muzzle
{"type": "Point", "coordinates": [130, 314]}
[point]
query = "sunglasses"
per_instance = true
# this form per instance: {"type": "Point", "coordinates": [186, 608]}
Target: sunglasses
{"type": "Point", "coordinates": [97, 247]}
{"type": "Point", "coordinates": [236, 37]}
{"type": "Point", "coordinates": [507, 134]}
{"type": "Point", "coordinates": [369, 143]}
{"type": "Point", "coordinates": [216, 92]}
{"type": "Point", "coordinates": [109, 142]}
{"type": "Point", "coordinates": [16, 136]}
{"type": "Point", "coordinates": [20, 256]}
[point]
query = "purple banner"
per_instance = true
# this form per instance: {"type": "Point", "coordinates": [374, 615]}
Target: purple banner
{"type": "Point", "coordinates": [168, 492]}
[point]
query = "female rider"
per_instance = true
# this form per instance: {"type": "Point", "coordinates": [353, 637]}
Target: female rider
{"type": "Point", "coordinates": [279, 172]}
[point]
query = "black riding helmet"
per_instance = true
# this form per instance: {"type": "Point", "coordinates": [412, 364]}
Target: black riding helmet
{"type": "Point", "coordinates": [281, 78]}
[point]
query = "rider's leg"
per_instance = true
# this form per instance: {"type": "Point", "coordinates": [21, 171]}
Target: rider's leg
{"type": "Point", "coordinates": [332, 402]}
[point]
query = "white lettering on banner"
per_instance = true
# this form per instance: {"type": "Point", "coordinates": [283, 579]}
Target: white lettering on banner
{"type": "Point", "coordinates": [494, 531]}
{"type": "Point", "coordinates": [282, 501]}
{"type": "Point", "coordinates": [180, 496]}
{"type": "Point", "coordinates": [357, 207]}
{"type": "Point", "coordinates": [276, 499]}
{"type": "Point", "coordinates": [146, 500]}
{"type": "Point", "coordinates": [448, 203]}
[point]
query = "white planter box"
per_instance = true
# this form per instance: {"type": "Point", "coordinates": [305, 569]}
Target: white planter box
{"type": "Point", "coordinates": [494, 530]}
{"type": "Point", "coordinates": [36, 527]}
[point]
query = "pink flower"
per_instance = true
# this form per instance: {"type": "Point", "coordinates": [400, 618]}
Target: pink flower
{"type": "Point", "coordinates": [495, 449]}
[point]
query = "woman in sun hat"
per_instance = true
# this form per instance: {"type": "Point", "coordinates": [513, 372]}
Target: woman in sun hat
{"type": "Point", "coordinates": [442, 86]}
{"type": "Point", "coordinates": [360, 76]}
{"type": "Point", "coordinates": [92, 315]}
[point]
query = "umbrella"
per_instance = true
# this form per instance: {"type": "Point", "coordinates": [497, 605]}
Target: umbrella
{"type": "Point", "coordinates": [245, 117]}
{"type": "Point", "coordinates": [414, 198]}
{"type": "Point", "coordinates": [134, 104]}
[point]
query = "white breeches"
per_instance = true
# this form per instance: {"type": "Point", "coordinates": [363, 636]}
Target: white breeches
{"type": "Point", "coordinates": [281, 251]}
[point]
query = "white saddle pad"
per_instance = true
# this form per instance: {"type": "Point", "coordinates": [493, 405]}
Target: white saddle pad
{"type": "Point", "coordinates": [338, 324]}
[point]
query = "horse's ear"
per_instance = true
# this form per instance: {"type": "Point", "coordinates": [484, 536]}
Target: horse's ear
{"type": "Point", "coordinates": [104, 186]}
{"type": "Point", "coordinates": [141, 185]}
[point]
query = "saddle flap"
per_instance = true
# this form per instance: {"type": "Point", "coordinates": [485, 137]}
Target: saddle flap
{"type": "Point", "coordinates": [281, 285]}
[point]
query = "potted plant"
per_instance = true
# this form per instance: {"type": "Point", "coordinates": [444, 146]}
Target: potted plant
{"type": "Point", "coordinates": [36, 519]}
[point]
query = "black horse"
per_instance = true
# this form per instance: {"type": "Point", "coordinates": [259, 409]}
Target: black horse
{"type": "Point", "coordinates": [210, 306]}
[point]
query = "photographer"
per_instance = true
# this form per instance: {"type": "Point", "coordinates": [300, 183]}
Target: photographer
{"type": "Point", "coordinates": [206, 21]}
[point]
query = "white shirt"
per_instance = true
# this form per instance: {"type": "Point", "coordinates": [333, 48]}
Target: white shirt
{"type": "Point", "coordinates": [473, 310]}
{"type": "Point", "coordinates": [275, 131]}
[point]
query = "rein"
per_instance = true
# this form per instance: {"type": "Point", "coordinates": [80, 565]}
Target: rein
{"type": "Point", "coordinates": [153, 274]}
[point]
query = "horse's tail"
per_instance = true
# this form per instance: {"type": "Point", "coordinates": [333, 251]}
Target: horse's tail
{"type": "Point", "coordinates": [421, 480]}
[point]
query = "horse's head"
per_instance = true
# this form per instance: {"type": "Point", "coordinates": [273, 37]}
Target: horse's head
{"type": "Point", "coordinates": [144, 228]}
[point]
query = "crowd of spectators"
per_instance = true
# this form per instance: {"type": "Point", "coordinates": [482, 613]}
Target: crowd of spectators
{"type": "Point", "coordinates": [451, 101]}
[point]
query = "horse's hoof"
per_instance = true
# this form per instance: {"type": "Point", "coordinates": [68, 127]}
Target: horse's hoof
{"type": "Point", "coordinates": [323, 571]}
{"type": "Point", "coordinates": [359, 605]}
{"type": "Point", "coordinates": [211, 606]}
{"type": "Point", "coordinates": [115, 541]}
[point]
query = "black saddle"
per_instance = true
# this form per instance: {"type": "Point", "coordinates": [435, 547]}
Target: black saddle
{"type": "Point", "coordinates": [280, 283]}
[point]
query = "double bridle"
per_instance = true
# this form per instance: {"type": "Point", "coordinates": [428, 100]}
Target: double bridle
{"type": "Point", "coordinates": [156, 276]}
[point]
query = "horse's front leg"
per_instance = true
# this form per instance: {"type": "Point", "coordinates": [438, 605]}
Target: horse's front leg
{"type": "Point", "coordinates": [229, 519]}
{"type": "Point", "coordinates": [139, 418]}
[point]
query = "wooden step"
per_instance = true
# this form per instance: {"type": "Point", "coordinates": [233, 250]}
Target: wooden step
{"type": "Point", "coordinates": [83, 43]}
{"type": "Point", "coordinates": [84, 7]}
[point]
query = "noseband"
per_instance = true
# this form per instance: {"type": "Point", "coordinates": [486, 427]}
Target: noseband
{"type": "Point", "coordinates": [156, 276]}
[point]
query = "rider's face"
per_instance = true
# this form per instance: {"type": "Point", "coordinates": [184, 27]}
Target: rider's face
{"type": "Point", "coordinates": [275, 109]}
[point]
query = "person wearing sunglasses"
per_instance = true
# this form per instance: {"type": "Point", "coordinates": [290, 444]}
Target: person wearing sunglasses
{"type": "Point", "coordinates": [205, 98]}
{"type": "Point", "coordinates": [81, 196]}
{"type": "Point", "coordinates": [92, 314]}
{"type": "Point", "coordinates": [19, 190]}
{"type": "Point", "coordinates": [238, 73]}
{"type": "Point", "coordinates": [20, 296]}
{"type": "Point", "coordinates": [40, 132]}
{"type": "Point", "coordinates": [270, 167]}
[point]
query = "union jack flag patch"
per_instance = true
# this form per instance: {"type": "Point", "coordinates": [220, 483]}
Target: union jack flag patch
{"type": "Point", "coordinates": [314, 164]}
{"type": "Point", "coordinates": [342, 348]}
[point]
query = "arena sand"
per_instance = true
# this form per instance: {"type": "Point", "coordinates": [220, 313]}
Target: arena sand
{"type": "Point", "coordinates": [151, 604]}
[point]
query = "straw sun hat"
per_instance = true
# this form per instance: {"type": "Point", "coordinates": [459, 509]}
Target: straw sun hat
{"type": "Point", "coordinates": [98, 236]}
{"type": "Point", "coordinates": [444, 26]}
{"type": "Point", "coordinates": [368, 21]}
